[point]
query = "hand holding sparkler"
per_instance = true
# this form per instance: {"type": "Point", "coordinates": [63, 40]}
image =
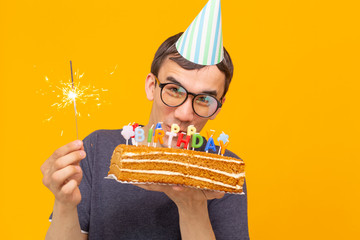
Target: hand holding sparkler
{"type": "Point", "coordinates": [62, 176]}
{"type": "Point", "coordinates": [62, 173]}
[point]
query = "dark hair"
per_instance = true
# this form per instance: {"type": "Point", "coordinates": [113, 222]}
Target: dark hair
{"type": "Point", "coordinates": [168, 48]}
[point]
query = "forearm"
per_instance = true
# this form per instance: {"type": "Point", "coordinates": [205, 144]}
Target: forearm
{"type": "Point", "coordinates": [195, 223]}
{"type": "Point", "coordinates": [64, 224]}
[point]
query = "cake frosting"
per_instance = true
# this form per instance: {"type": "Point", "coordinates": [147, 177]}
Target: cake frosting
{"type": "Point", "coordinates": [142, 164]}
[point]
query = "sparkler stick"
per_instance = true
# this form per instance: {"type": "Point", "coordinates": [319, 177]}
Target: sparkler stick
{"type": "Point", "coordinates": [74, 96]}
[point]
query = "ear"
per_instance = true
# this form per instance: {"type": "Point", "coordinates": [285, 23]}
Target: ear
{"type": "Point", "coordinates": [217, 112]}
{"type": "Point", "coordinates": [150, 83]}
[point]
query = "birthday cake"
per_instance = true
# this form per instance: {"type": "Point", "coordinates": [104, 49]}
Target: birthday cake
{"type": "Point", "coordinates": [144, 164]}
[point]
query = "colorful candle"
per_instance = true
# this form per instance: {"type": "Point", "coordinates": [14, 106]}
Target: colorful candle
{"type": "Point", "coordinates": [182, 140]}
{"type": "Point", "coordinates": [159, 134]}
{"type": "Point", "coordinates": [175, 128]}
{"type": "Point", "coordinates": [197, 137]}
{"type": "Point", "coordinates": [127, 133]}
{"type": "Point", "coordinates": [170, 138]}
{"type": "Point", "coordinates": [150, 134]}
{"type": "Point", "coordinates": [158, 126]}
{"type": "Point", "coordinates": [191, 130]}
{"type": "Point", "coordinates": [139, 135]}
{"type": "Point", "coordinates": [210, 143]}
{"type": "Point", "coordinates": [223, 146]}
{"type": "Point", "coordinates": [135, 125]}
{"type": "Point", "coordinates": [222, 138]}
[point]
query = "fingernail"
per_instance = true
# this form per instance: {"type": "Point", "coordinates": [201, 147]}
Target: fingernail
{"type": "Point", "coordinates": [82, 154]}
{"type": "Point", "coordinates": [78, 168]}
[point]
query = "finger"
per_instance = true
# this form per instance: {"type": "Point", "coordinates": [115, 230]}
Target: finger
{"type": "Point", "coordinates": [211, 194]}
{"type": "Point", "coordinates": [77, 177]}
{"type": "Point", "coordinates": [59, 177]}
{"type": "Point", "coordinates": [68, 188]}
{"type": "Point", "coordinates": [178, 188]}
{"type": "Point", "coordinates": [66, 149]}
{"type": "Point", "coordinates": [150, 187]}
{"type": "Point", "coordinates": [71, 158]}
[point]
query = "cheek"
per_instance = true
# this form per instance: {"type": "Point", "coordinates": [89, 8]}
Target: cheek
{"type": "Point", "coordinates": [162, 110]}
{"type": "Point", "coordinates": [199, 123]}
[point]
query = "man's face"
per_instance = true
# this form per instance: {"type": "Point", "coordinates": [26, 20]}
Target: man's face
{"type": "Point", "coordinates": [207, 79]}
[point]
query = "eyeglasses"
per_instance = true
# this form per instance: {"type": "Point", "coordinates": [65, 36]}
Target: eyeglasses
{"type": "Point", "coordinates": [174, 95]}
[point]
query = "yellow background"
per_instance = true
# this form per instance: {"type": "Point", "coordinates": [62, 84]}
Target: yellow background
{"type": "Point", "coordinates": [292, 111]}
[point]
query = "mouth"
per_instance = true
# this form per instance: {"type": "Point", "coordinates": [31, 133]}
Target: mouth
{"type": "Point", "coordinates": [167, 128]}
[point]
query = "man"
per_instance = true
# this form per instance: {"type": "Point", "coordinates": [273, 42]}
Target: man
{"type": "Point", "coordinates": [100, 208]}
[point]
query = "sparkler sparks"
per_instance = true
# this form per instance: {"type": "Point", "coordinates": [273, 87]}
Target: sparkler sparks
{"type": "Point", "coordinates": [114, 70]}
{"type": "Point", "coordinates": [66, 93]}
{"type": "Point", "coordinates": [81, 94]}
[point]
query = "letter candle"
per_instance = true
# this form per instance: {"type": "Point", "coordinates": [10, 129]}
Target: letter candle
{"type": "Point", "coordinates": [150, 134]}
{"type": "Point", "coordinates": [159, 134]}
{"type": "Point", "coordinates": [196, 137]}
{"type": "Point", "coordinates": [133, 140]}
{"type": "Point", "coordinates": [158, 126]}
{"type": "Point", "coordinates": [210, 143]}
{"type": "Point", "coordinates": [222, 138]}
{"type": "Point", "coordinates": [135, 125]}
{"type": "Point", "coordinates": [223, 147]}
{"type": "Point", "coordinates": [139, 135]}
{"type": "Point", "coordinates": [190, 131]}
{"type": "Point", "coordinates": [170, 137]}
{"type": "Point", "coordinates": [174, 130]}
{"type": "Point", "coordinates": [182, 140]}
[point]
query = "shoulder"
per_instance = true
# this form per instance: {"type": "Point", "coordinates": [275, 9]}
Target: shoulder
{"type": "Point", "coordinates": [229, 153]}
{"type": "Point", "coordinates": [105, 135]}
{"type": "Point", "coordinates": [104, 140]}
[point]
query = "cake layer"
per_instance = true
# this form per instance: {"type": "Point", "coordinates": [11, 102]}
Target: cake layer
{"type": "Point", "coordinates": [177, 166]}
{"type": "Point", "coordinates": [195, 159]}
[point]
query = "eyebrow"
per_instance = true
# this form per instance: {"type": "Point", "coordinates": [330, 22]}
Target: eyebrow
{"type": "Point", "coordinates": [173, 80]}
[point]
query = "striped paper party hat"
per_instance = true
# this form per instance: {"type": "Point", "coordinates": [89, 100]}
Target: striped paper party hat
{"type": "Point", "coordinates": [201, 43]}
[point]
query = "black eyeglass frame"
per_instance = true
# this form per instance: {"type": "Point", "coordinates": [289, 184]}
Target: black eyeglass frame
{"type": "Point", "coordinates": [162, 85]}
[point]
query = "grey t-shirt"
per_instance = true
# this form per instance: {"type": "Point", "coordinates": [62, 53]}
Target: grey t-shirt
{"type": "Point", "coordinates": [113, 210]}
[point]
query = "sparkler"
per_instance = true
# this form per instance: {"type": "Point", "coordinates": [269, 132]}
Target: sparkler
{"type": "Point", "coordinates": [73, 95]}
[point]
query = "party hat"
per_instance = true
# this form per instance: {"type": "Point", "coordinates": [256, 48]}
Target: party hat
{"type": "Point", "coordinates": [201, 43]}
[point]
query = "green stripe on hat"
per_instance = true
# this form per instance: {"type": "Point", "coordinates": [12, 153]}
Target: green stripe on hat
{"type": "Point", "coordinates": [208, 33]}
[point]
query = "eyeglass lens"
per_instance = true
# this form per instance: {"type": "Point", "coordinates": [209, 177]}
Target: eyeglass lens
{"type": "Point", "coordinates": [175, 95]}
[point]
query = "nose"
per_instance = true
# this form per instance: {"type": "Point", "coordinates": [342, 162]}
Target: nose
{"type": "Point", "coordinates": [185, 112]}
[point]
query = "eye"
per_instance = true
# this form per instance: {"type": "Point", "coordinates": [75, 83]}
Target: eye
{"type": "Point", "coordinates": [175, 91]}
{"type": "Point", "coordinates": [204, 100]}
